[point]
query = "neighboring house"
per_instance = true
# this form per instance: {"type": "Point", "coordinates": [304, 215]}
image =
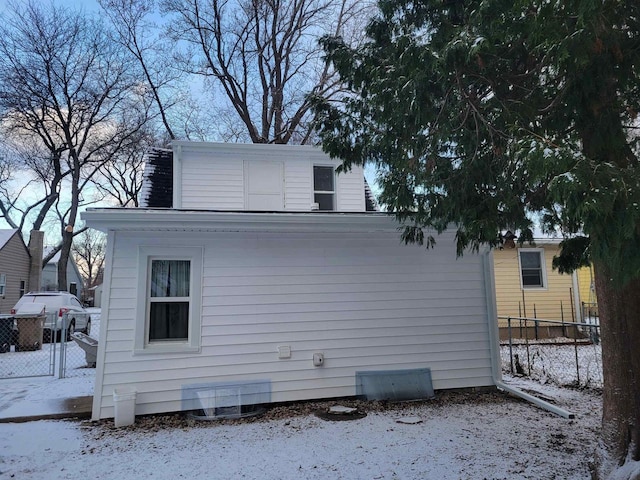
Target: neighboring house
{"type": "Point", "coordinates": [255, 274]}
{"type": "Point", "coordinates": [95, 295]}
{"type": "Point", "coordinates": [528, 286]}
{"type": "Point", "coordinates": [587, 289]}
{"type": "Point", "coordinates": [50, 276]}
{"type": "Point", "coordinates": [15, 262]}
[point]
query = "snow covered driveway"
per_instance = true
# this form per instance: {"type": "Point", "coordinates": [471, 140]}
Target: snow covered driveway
{"type": "Point", "coordinates": [461, 436]}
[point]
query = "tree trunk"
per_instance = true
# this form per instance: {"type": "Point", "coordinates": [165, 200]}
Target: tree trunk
{"type": "Point", "coordinates": [619, 309]}
{"type": "Point", "coordinates": [67, 240]}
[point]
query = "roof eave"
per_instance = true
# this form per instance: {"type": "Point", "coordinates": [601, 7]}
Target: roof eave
{"type": "Point", "coordinates": [130, 219]}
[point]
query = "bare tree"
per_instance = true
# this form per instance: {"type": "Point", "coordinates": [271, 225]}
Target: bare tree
{"type": "Point", "coordinates": [265, 58]}
{"type": "Point", "coordinates": [121, 180]}
{"type": "Point", "coordinates": [146, 42]}
{"type": "Point", "coordinates": [67, 90]}
{"type": "Point", "coordinates": [89, 249]}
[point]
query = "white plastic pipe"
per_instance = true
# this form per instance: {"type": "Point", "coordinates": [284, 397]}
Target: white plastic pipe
{"type": "Point", "coordinates": [495, 347]}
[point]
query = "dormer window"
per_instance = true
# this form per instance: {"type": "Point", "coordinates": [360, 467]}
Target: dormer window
{"type": "Point", "coordinates": [324, 187]}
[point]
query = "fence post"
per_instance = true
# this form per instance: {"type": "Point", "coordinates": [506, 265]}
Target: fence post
{"type": "Point", "coordinates": [510, 344]}
{"type": "Point", "coordinates": [575, 347]}
{"type": "Point", "coordinates": [63, 346]}
{"type": "Point", "coordinates": [526, 341]}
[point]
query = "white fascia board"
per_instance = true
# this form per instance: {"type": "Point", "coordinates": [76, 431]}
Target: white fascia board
{"type": "Point", "coordinates": [129, 219]}
{"type": "Point", "coordinates": [216, 147]}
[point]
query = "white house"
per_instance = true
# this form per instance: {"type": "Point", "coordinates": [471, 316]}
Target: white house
{"type": "Point", "coordinates": [254, 274]}
{"type": "Point", "coordinates": [50, 276]}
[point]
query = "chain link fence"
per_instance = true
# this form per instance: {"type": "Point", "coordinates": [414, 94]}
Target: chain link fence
{"type": "Point", "coordinates": [74, 361]}
{"type": "Point", "coordinates": [563, 353]}
{"type": "Point", "coordinates": [27, 349]}
{"type": "Point", "coordinates": [23, 352]}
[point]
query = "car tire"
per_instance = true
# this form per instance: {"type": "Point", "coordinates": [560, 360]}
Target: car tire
{"type": "Point", "coordinates": [87, 329]}
{"type": "Point", "coordinates": [71, 329]}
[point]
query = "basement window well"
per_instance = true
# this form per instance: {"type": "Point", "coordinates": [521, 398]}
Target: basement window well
{"type": "Point", "coordinates": [217, 401]}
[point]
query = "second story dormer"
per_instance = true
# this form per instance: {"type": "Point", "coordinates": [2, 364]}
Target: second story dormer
{"type": "Point", "coordinates": [252, 177]}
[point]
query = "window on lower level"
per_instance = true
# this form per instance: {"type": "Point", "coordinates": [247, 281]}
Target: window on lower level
{"type": "Point", "coordinates": [532, 272]}
{"type": "Point", "coordinates": [324, 187]}
{"type": "Point", "coordinates": [169, 301]}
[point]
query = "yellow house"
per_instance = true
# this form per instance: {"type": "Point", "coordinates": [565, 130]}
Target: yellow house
{"type": "Point", "coordinates": [527, 286]}
{"type": "Point", "coordinates": [586, 287]}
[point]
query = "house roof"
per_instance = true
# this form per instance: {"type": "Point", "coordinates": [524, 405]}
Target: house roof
{"type": "Point", "coordinates": [140, 219]}
{"type": "Point", "coordinates": [157, 182]}
{"type": "Point", "coordinates": [6, 234]}
{"type": "Point", "coordinates": [55, 259]}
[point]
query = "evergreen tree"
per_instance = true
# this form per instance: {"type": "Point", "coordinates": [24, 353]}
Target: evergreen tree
{"type": "Point", "coordinates": [485, 115]}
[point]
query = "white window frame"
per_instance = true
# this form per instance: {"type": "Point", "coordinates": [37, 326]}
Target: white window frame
{"type": "Point", "coordinates": [3, 284]}
{"type": "Point", "coordinates": [543, 268]}
{"type": "Point", "coordinates": [141, 336]}
{"type": "Point", "coordinates": [335, 186]}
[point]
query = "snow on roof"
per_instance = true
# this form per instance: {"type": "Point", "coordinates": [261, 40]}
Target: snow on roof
{"type": "Point", "coordinates": [5, 235]}
{"type": "Point", "coordinates": [55, 259]}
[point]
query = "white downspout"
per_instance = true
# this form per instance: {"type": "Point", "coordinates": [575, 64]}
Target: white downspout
{"type": "Point", "coordinates": [577, 301]}
{"type": "Point", "coordinates": [494, 344]}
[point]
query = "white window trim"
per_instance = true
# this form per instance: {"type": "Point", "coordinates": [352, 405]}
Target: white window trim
{"type": "Point", "coordinates": [334, 192]}
{"type": "Point", "coordinates": [3, 284]}
{"type": "Point", "coordinates": [543, 266]}
{"type": "Point", "coordinates": [141, 334]}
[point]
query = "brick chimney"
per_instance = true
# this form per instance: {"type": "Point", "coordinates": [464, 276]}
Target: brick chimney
{"type": "Point", "coordinates": [36, 246]}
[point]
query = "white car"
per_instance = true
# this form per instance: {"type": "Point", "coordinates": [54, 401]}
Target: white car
{"type": "Point", "coordinates": [56, 305]}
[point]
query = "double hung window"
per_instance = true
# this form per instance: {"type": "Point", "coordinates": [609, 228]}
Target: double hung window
{"type": "Point", "coordinates": [169, 304]}
{"type": "Point", "coordinates": [169, 298]}
{"type": "Point", "coordinates": [532, 272]}
{"type": "Point", "coordinates": [324, 187]}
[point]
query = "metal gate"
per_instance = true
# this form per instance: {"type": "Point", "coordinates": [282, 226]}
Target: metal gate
{"type": "Point", "coordinates": [73, 359]}
{"type": "Point", "coordinates": [22, 350]}
{"type": "Point", "coordinates": [26, 350]}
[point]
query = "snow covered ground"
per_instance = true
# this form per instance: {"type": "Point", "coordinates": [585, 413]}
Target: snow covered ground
{"type": "Point", "coordinates": [460, 436]}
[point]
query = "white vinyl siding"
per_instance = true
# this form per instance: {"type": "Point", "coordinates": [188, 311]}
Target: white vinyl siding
{"type": "Point", "coordinates": [214, 177]}
{"type": "Point", "coordinates": [216, 184]}
{"type": "Point", "coordinates": [362, 299]}
{"type": "Point", "coordinates": [350, 188]}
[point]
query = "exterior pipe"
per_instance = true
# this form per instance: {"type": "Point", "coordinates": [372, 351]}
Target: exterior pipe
{"type": "Point", "coordinates": [535, 400]}
{"type": "Point", "coordinates": [492, 321]}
